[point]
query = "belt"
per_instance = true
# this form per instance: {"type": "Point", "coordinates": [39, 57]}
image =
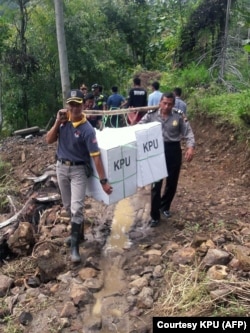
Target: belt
{"type": "Point", "coordinates": [70, 163]}
{"type": "Point", "coordinates": [172, 143]}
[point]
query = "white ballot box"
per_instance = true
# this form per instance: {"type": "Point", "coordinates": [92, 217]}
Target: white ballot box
{"type": "Point", "coordinates": [118, 154]}
{"type": "Point", "coordinates": [150, 160]}
{"type": "Point", "coordinates": [132, 156]}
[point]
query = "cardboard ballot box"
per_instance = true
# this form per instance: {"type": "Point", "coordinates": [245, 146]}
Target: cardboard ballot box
{"type": "Point", "coordinates": [132, 156]}
{"type": "Point", "coordinates": [119, 160]}
{"type": "Point", "coordinates": [150, 157]}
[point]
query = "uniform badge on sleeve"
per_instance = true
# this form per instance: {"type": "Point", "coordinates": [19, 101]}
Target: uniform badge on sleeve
{"type": "Point", "coordinates": [175, 123]}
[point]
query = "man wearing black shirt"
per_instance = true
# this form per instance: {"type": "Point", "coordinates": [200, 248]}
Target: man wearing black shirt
{"type": "Point", "coordinates": [137, 98]}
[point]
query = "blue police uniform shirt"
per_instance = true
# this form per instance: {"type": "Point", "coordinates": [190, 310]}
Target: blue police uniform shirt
{"type": "Point", "coordinates": [115, 100]}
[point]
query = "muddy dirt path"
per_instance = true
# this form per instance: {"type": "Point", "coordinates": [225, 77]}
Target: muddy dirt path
{"type": "Point", "coordinates": [212, 196]}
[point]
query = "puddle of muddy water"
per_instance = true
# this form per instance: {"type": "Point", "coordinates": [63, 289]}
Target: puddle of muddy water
{"type": "Point", "coordinates": [113, 283]}
{"type": "Point", "coordinates": [118, 240]}
{"type": "Point", "coordinates": [122, 221]}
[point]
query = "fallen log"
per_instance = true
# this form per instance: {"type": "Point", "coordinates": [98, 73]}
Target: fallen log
{"type": "Point", "coordinates": [13, 207]}
{"type": "Point", "coordinates": [43, 177]}
{"type": "Point", "coordinates": [41, 198]}
{"type": "Point", "coordinates": [26, 131]}
{"type": "Point", "coordinates": [15, 217]}
{"type": "Point", "coordinates": [48, 198]}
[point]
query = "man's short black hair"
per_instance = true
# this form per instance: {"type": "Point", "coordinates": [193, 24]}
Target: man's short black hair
{"type": "Point", "coordinates": [168, 95]}
{"type": "Point", "coordinates": [89, 96]}
{"type": "Point", "coordinates": [156, 85]}
{"type": "Point", "coordinates": [114, 88]}
{"type": "Point", "coordinates": [177, 91]}
{"type": "Point", "coordinates": [137, 81]}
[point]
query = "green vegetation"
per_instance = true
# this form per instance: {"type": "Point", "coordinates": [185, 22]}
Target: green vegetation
{"type": "Point", "coordinates": [12, 327]}
{"type": "Point", "coordinates": [7, 186]}
{"type": "Point", "coordinates": [188, 293]}
{"type": "Point", "coordinates": [4, 167]}
{"type": "Point", "coordinates": [233, 107]}
{"type": "Point", "coordinates": [194, 44]}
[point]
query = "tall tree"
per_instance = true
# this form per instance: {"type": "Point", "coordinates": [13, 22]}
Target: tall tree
{"type": "Point", "coordinates": [22, 63]}
{"type": "Point", "coordinates": [62, 49]}
{"type": "Point", "coordinates": [225, 43]}
{"type": "Point", "coordinates": [203, 33]}
{"type": "Point", "coordinates": [132, 20]}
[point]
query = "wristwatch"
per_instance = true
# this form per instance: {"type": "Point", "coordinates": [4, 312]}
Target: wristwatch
{"type": "Point", "coordinates": [103, 181]}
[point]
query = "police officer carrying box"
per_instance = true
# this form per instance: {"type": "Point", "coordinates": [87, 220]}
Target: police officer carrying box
{"type": "Point", "coordinates": [174, 128]}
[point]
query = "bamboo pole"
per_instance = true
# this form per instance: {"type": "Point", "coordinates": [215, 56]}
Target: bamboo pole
{"type": "Point", "coordinates": [119, 111]}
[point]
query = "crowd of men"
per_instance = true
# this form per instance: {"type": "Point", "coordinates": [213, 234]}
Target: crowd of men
{"type": "Point", "coordinates": [95, 99]}
{"type": "Point", "coordinates": [171, 113]}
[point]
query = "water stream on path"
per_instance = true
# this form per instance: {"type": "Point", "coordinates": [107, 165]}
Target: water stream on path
{"type": "Point", "coordinates": [116, 243]}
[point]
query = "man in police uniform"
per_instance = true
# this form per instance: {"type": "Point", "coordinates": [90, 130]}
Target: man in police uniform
{"type": "Point", "coordinates": [175, 127]}
{"type": "Point", "coordinates": [100, 98]}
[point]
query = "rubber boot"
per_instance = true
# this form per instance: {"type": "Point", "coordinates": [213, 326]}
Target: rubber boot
{"type": "Point", "coordinates": [75, 240]}
{"type": "Point", "coordinates": [68, 239]}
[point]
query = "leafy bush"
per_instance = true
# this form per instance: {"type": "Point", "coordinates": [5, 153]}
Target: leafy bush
{"type": "Point", "coordinates": [189, 79]}
{"type": "Point", "coordinates": [243, 109]}
{"type": "Point", "coordinates": [232, 107]}
{"type": "Point", "coordinates": [194, 76]}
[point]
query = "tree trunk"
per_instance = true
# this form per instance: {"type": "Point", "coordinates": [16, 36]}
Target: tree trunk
{"type": "Point", "coordinates": [62, 49]}
{"type": "Point", "coordinates": [225, 42]}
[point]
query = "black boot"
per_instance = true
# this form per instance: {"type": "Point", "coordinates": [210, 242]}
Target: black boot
{"type": "Point", "coordinates": [68, 239]}
{"type": "Point", "coordinates": [75, 240]}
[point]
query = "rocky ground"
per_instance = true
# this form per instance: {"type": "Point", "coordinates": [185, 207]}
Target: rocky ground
{"type": "Point", "coordinates": [122, 283]}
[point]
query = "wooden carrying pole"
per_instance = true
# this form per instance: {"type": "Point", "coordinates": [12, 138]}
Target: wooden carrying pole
{"type": "Point", "coordinates": [119, 111]}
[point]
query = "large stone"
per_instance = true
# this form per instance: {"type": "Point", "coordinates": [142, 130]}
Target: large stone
{"type": "Point", "coordinates": [218, 272]}
{"type": "Point", "coordinates": [69, 310]}
{"type": "Point", "coordinates": [80, 294]}
{"type": "Point", "coordinates": [215, 257]}
{"type": "Point", "coordinates": [5, 284]}
{"type": "Point", "coordinates": [22, 240]}
{"type": "Point", "coordinates": [184, 256]}
{"type": "Point", "coordinates": [139, 283]}
{"type": "Point", "coordinates": [50, 261]}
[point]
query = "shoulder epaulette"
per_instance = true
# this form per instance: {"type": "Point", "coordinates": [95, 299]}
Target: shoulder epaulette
{"type": "Point", "coordinates": [178, 111]}
{"type": "Point", "coordinates": [152, 111]}
{"type": "Point", "coordinates": [181, 113]}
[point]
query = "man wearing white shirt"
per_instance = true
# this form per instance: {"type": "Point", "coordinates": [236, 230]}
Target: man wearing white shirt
{"type": "Point", "coordinates": [155, 97]}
